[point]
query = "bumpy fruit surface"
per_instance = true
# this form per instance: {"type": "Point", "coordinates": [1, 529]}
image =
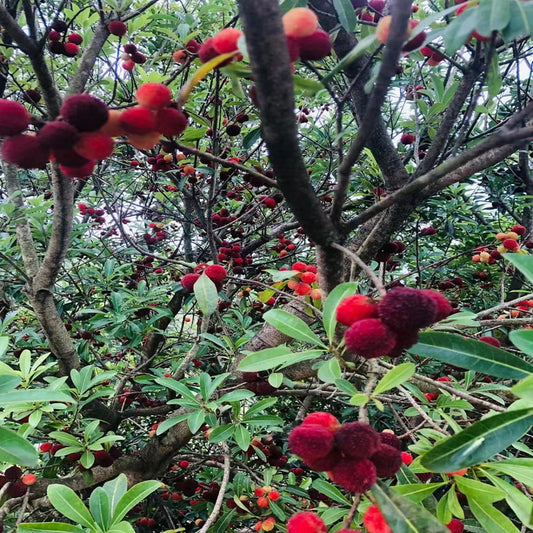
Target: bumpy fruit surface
{"type": "Point", "coordinates": [326, 463]}
{"type": "Point", "coordinates": [25, 151]}
{"type": "Point", "coordinates": [311, 441]}
{"type": "Point", "coordinates": [216, 273]}
{"type": "Point", "coordinates": [170, 122]}
{"type": "Point", "coordinates": [188, 281]}
{"type": "Point", "coordinates": [15, 117]}
{"type": "Point", "coordinates": [300, 22]}
{"type": "Point", "coordinates": [138, 120]}
{"type": "Point", "coordinates": [84, 112]}
{"type": "Point", "coordinates": [354, 308]}
{"type": "Point", "coordinates": [306, 523]}
{"type": "Point", "coordinates": [117, 27]}
{"type": "Point", "coordinates": [374, 521]}
{"type": "Point", "coordinates": [357, 440]}
{"type": "Point", "coordinates": [444, 307]}
{"type": "Point", "coordinates": [225, 41]}
{"type": "Point", "coordinates": [94, 145]}
{"type": "Point", "coordinates": [315, 46]}
{"type": "Point", "coordinates": [322, 419]}
{"type": "Point", "coordinates": [355, 475]}
{"type": "Point", "coordinates": [58, 134]}
{"type": "Point", "coordinates": [369, 338]}
{"type": "Point", "coordinates": [387, 460]}
{"type": "Point", "coordinates": [455, 526]}
{"type": "Point", "coordinates": [153, 95]}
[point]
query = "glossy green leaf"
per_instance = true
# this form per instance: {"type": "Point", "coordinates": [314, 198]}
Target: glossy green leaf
{"type": "Point", "coordinates": [242, 437]}
{"type": "Point", "coordinates": [476, 489]}
{"type": "Point", "coordinates": [278, 357]}
{"type": "Point", "coordinates": [492, 15]}
{"type": "Point", "coordinates": [478, 442]}
{"type": "Point", "coordinates": [523, 340]}
{"type": "Point", "coordinates": [115, 489]}
{"type": "Point", "coordinates": [490, 518]}
{"type": "Point", "coordinates": [524, 263]}
{"type": "Point", "coordinates": [135, 495]}
{"type": "Point", "coordinates": [70, 505]}
{"type": "Point", "coordinates": [236, 396]}
{"type": "Point", "coordinates": [520, 469]}
{"type": "Point", "coordinates": [49, 527]}
{"type": "Point", "coordinates": [331, 491]}
{"type": "Point", "coordinates": [333, 300]}
{"type": "Point", "coordinates": [206, 295]}
{"type": "Point", "coordinates": [100, 507]}
{"type": "Point", "coordinates": [346, 13]}
{"type": "Point", "coordinates": [121, 527]}
{"type": "Point", "coordinates": [34, 396]}
{"type": "Point", "coordinates": [417, 492]}
{"type": "Point", "coordinates": [403, 515]}
{"type": "Point", "coordinates": [16, 450]}
{"type": "Point", "coordinates": [524, 388]}
{"type": "Point", "coordinates": [521, 20]}
{"type": "Point", "coordinates": [292, 326]}
{"type": "Point", "coordinates": [196, 420]}
{"type": "Point", "coordinates": [359, 399]}
{"type": "Point", "coordinates": [221, 433]}
{"type": "Point", "coordinates": [276, 379]}
{"type": "Point", "coordinates": [330, 371]}
{"type": "Point", "coordinates": [471, 354]}
{"type": "Point", "coordinates": [394, 377]}
{"type": "Point", "coordinates": [4, 343]}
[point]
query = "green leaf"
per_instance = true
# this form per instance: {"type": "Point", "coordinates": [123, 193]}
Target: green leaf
{"type": "Point", "coordinates": [276, 379]}
{"type": "Point", "coordinates": [490, 518]}
{"type": "Point", "coordinates": [359, 399]}
{"type": "Point", "coordinates": [292, 326]}
{"type": "Point", "coordinates": [206, 295]}
{"type": "Point", "coordinates": [330, 371]}
{"type": "Point", "coordinates": [492, 16]}
{"type": "Point", "coordinates": [524, 263]}
{"type": "Point", "coordinates": [35, 395]}
{"type": "Point", "coordinates": [278, 357]}
{"type": "Point", "coordinates": [178, 387]}
{"type": "Point", "coordinates": [236, 396]}
{"type": "Point", "coordinates": [394, 377]}
{"type": "Point", "coordinates": [330, 491]}
{"type": "Point", "coordinates": [476, 489]}
{"type": "Point", "coordinates": [403, 515]}
{"type": "Point", "coordinates": [524, 388]}
{"type": "Point", "coordinates": [242, 437]}
{"type": "Point", "coordinates": [523, 340]}
{"type": "Point", "coordinates": [478, 442]}
{"type": "Point", "coordinates": [9, 382]}
{"type": "Point", "coordinates": [115, 489]}
{"type": "Point", "coordinates": [471, 354]}
{"type": "Point", "coordinates": [4, 343]}
{"type": "Point", "coordinates": [196, 420]}
{"type": "Point", "coordinates": [100, 507]}
{"type": "Point", "coordinates": [346, 13]}
{"type": "Point", "coordinates": [70, 505]}
{"type": "Point", "coordinates": [64, 438]}
{"type": "Point", "coordinates": [16, 450]}
{"type": "Point", "coordinates": [520, 469]}
{"type": "Point", "coordinates": [221, 433]}
{"type": "Point", "coordinates": [459, 30]}
{"type": "Point", "coordinates": [521, 22]}
{"type": "Point", "coordinates": [333, 300]}
{"type": "Point", "coordinates": [417, 492]}
{"type": "Point", "coordinates": [49, 527]}
{"type": "Point", "coordinates": [135, 495]}
{"type": "Point", "coordinates": [121, 527]}
{"type": "Point", "coordinates": [170, 422]}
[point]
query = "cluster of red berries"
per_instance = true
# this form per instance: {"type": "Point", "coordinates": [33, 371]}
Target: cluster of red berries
{"type": "Point", "coordinates": [354, 454]}
{"type": "Point", "coordinates": [267, 447]}
{"type": "Point", "coordinates": [268, 524]}
{"type": "Point", "coordinates": [308, 522]}
{"type": "Point", "coordinates": [305, 280]}
{"type": "Point", "coordinates": [61, 44]}
{"type": "Point", "coordinates": [265, 495]}
{"type": "Point", "coordinates": [18, 483]}
{"type": "Point", "coordinates": [508, 243]}
{"type": "Point", "coordinates": [216, 273]}
{"type": "Point", "coordinates": [231, 255]}
{"type": "Point", "coordinates": [183, 55]}
{"type": "Point", "coordinates": [158, 233]}
{"type": "Point", "coordinates": [131, 57]}
{"type": "Point", "coordinates": [286, 245]}
{"type": "Point", "coordinates": [389, 249]}
{"type": "Point", "coordinates": [222, 218]}
{"type": "Point", "coordinates": [390, 326]}
{"type": "Point", "coordinates": [96, 214]}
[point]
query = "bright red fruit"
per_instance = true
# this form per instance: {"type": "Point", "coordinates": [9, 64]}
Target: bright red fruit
{"type": "Point", "coordinates": [322, 419]}
{"type": "Point", "coordinates": [369, 338]}
{"type": "Point", "coordinates": [306, 523]}
{"type": "Point", "coordinates": [354, 308]}
{"type": "Point", "coordinates": [117, 27]}
{"type": "Point", "coordinates": [216, 273]}
{"type": "Point", "coordinates": [310, 441]}
{"type": "Point", "coordinates": [153, 95]}
{"type": "Point", "coordinates": [225, 41]}
{"type": "Point", "coordinates": [374, 521]}
{"type": "Point", "coordinates": [138, 120]}
{"type": "Point", "coordinates": [15, 117]}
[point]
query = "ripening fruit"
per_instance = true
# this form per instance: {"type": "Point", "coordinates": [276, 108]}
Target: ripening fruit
{"type": "Point", "coordinates": [370, 338]}
{"type": "Point", "coordinates": [511, 245]}
{"type": "Point", "coordinates": [374, 521]}
{"type": "Point", "coordinates": [455, 526]}
{"type": "Point", "coordinates": [407, 138]}
{"type": "Point", "coordinates": [518, 229]}
{"type": "Point", "coordinates": [58, 134]}
{"type": "Point", "coordinates": [180, 56]}
{"type": "Point", "coordinates": [407, 458]}
{"type": "Point", "coordinates": [75, 38]}
{"type": "Point", "coordinates": [188, 281]}
{"type": "Point", "coordinates": [302, 289]}
{"type": "Point", "coordinates": [144, 142]}
{"type": "Point", "coordinates": [354, 308]}
{"type": "Point", "coordinates": [225, 41]}
{"type": "Point", "coordinates": [15, 117]}
{"type": "Point", "coordinates": [112, 127]}
{"type": "Point", "coordinates": [357, 440]}
{"type": "Point", "coordinates": [322, 418]}
{"type": "Point", "coordinates": [94, 145]}
{"type": "Point", "coordinates": [207, 51]}
{"type": "Point", "coordinates": [71, 49]}
{"type": "Point", "coordinates": [306, 523]}
{"type": "Point", "coordinates": [138, 120]}
{"type": "Point", "coordinates": [444, 307]}
{"type": "Point", "coordinates": [299, 22]}
{"type": "Point", "coordinates": [315, 294]}
{"type": "Point", "coordinates": [171, 122]}
{"type": "Point", "coordinates": [153, 95]}
{"type": "Point", "coordinates": [117, 27]}
{"type": "Point", "coordinates": [315, 46]}
{"type": "Point", "coordinates": [355, 475]}
{"type": "Point", "coordinates": [25, 151]}
{"type": "Point", "coordinates": [491, 340]}
{"type": "Point", "coordinates": [383, 28]}
{"type": "Point", "coordinates": [216, 273]}
{"type": "Point", "coordinates": [417, 40]}
{"type": "Point", "coordinates": [84, 112]}
{"type": "Point", "coordinates": [29, 479]}
{"type": "Point", "coordinates": [83, 171]}
{"type": "Point", "coordinates": [387, 460]}
{"type": "Point", "coordinates": [128, 65]}
{"type": "Point", "coordinates": [310, 441]}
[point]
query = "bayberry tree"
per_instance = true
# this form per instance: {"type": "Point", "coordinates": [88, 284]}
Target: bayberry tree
{"type": "Point", "coordinates": [265, 266]}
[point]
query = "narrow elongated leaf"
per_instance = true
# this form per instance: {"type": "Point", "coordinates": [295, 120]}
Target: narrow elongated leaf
{"type": "Point", "coordinates": [478, 490]}
{"type": "Point", "coordinates": [49, 527]}
{"type": "Point", "coordinates": [70, 505]}
{"type": "Point", "coordinates": [331, 491]}
{"type": "Point", "coordinates": [278, 357]}
{"type": "Point", "coordinates": [35, 395]}
{"type": "Point", "coordinates": [524, 263]}
{"type": "Point", "coordinates": [334, 298]}
{"type": "Point", "coordinates": [520, 469]}
{"type": "Point", "coordinates": [346, 13]}
{"type": "Point", "coordinates": [115, 489]}
{"type": "Point", "coordinates": [478, 442]}
{"type": "Point", "coordinates": [417, 492]}
{"type": "Point", "coordinates": [236, 396]}
{"type": "Point", "coordinates": [221, 433]}
{"type": "Point", "coordinates": [394, 377]}
{"type": "Point", "coordinates": [16, 450]}
{"type": "Point", "coordinates": [471, 354]}
{"type": "Point", "coordinates": [523, 340]}
{"type": "Point", "coordinates": [100, 507]}
{"type": "Point", "coordinates": [242, 437]}
{"type": "Point", "coordinates": [196, 420]}
{"type": "Point", "coordinates": [490, 518]}
{"type": "Point", "coordinates": [135, 495]}
{"type": "Point", "coordinates": [292, 326]}
{"type": "Point", "coordinates": [521, 21]}
{"type": "Point", "coordinates": [403, 515]}
{"type": "Point", "coordinates": [121, 527]}
{"type": "Point", "coordinates": [9, 382]}
{"type": "Point", "coordinates": [206, 295]}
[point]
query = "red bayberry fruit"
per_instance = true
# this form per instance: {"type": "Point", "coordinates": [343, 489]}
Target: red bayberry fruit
{"type": "Point", "coordinates": [171, 122]}
{"type": "Point", "coordinates": [207, 51]}
{"type": "Point", "coordinates": [357, 440]}
{"type": "Point", "coordinates": [225, 41]}
{"type": "Point", "coordinates": [188, 281]}
{"type": "Point", "coordinates": [299, 22]}
{"type": "Point", "coordinates": [387, 460]}
{"type": "Point", "coordinates": [405, 308]}
{"type": "Point", "coordinates": [29, 479]}
{"type": "Point", "coordinates": [407, 138]}
{"type": "Point", "coordinates": [262, 502]}
{"type": "Point", "coordinates": [138, 120]}
{"type": "Point", "coordinates": [511, 245]}
{"type": "Point", "coordinates": [94, 145]}
{"type": "Point", "coordinates": [270, 203]}
{"type": "Point", "coordinates": [15, 117]}
{"type": "Point", "coordinates": [83, 171]}
{"type": "Point", "coordinates": [25, 151]}
{"type": "Point", "coordinates": [491, 340]}
{"type": "Point", "coordinates": [374, 521]}
{"type": "Point", "coordinates": [32, 96]}
{"type": "Point", "coordinates": [310, 441]}
{"type": "Point", "coordinates": [520, 230]}
{"type": "Point", "coordinates": [315, 46]}
{"type": "Point", "coordinates": [455, 526]}
{"type": "Point", "coordinates": [386, 437]}
{"type": "Point", "coordinates": [407, 458]}
{"type": "Point", "coordinates": [273, 495]}
{"type": "Point", "coordinates": [45, 447]}
{"type": "Point", "coordinates": [117, 27]}
{"type": "Point", "coordinates": [326, 463]}
{"type": "Point", "coordinates": [75, 38]}
{"type": "Point", "coordinates": [444, 307]}
{"type": "Point", "coordinates": [322, 419]}
{"type": "Point", "coordinates": [153, 95]}
{"type": "Point", "coordinates": [17, 489]}
{"type": "Point", "coordinates": [354, 308]}
{"type": "Point", "coordinates": [13, 473]}
{"type": "Point", "coordinates": [355, 475]}
{"type": "Point", "coordinates": [84, 112]}
{"type": "Point", "coordinates": [71, 49]}
{"type": "Point", "coordinates": [58, 134]}
{"type": "Point", "coordinates": [306, 523]}
{"type": "Point", "coordinates": [369, 338]}
{"type": "Point", "coordinates": [299, 266]}
{"type": "Point", "coordinates": [216, 273]}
